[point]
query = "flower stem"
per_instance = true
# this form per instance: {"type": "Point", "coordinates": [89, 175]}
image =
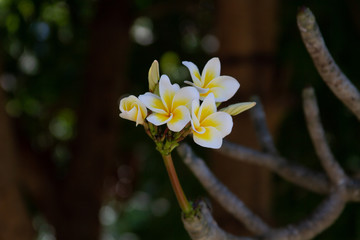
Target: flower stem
{"type": "Point", "coordinates": [182, 200]}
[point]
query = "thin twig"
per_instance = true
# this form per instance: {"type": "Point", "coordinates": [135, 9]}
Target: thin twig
{"type": "Point", "coordinates": [221, 193]}
{"type": "Point", "coordinates": [325, 64]}
{"type": "Point", "coordinates": [262, 131]}
{"type": "Point", "coordinates": [317, 134]}
{"type": "Point", "coordinates": [314, 181]}
{"type": "Point", "coordinates": [297, 174]}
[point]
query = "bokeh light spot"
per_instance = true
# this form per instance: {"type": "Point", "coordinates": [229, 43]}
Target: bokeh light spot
{"type": "Point", "coordinates": [108, 215]}
{"type": "Point", "coordinates": [62, 125]}
{"type": "Point", "coordinates": [12, 23]}
{"type": "Point", "coordinates": [8, 82]}
{"type": "Point", "coordinates": [160, 207]}
{"type": "Point", "coordinates": [28, 63]}
{"type": "Point", "coordinates": [26, 8]}
{"type": "Point", "coordinates": [210, 43]}
{"type": "Point", "coordinates": [142, 31]}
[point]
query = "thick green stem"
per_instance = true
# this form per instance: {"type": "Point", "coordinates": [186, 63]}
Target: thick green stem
{"type": "Point", "coordinates": [183, 202]}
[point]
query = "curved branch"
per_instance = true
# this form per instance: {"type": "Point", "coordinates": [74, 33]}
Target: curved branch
{"type": "Point", "coordinates": [202, 226]}
{"type": "Point", "coordinates": [324, 216]}
{"type": "Point", "coordinates": [325, 64]}
{"type": "Point", "coordinates": [317, 134]}
{"type": "Point", "coordinates": [221, 193]}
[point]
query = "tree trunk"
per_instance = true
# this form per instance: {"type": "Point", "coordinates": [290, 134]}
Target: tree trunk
{"type": "Point", "coordinates": [247, 34]}
{"type": "Point", "coordinates": [15, 223]}
{"type": "Point", "coordinates": [97, 134]}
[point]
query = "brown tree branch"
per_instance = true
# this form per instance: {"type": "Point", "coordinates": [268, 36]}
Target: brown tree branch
{"type": "Point", "coordinates": [325, 64]}
{"type": "Point", "coordinates": [221, 193]}
{"type": "Point", "coordinates": [317, 134]}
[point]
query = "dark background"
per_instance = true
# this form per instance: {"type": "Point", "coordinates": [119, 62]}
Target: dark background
{"type": "Point", "coordinates": [66, 158]}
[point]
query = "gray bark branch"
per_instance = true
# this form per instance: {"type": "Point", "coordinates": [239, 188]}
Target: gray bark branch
{"type": "Point", "coordinates": [317, 134]}
{"type": "Point", "coordinates": [323, 217]}
{"type": "Point", "coordinates": [221, 193]}
{"type": "Point", "coordinates": [295, 173]}
{"type": "Point", "coordinates": [262, 131]}
{"type": "Point", "coordinates": [309, 179]}
{"type": "Point", "coordinates": [325, 64]}
{"type": "Point", "coordinates": [203, 226]}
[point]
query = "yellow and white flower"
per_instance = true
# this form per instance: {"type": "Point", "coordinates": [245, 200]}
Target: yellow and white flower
{"type": "Point", "coordinates": [172, 106]}
{"type": "Point", "coordinates": [133, 109]}
{"type": "Point", "coordinates": [210, 81]}
{"type": "Point", "coordinates": [209, 127]}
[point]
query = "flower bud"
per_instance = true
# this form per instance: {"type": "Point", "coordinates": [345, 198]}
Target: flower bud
{"type": "Point", "coordinates": [153, 76]}
{"type": "Point", "coordinates": [133, 109]}
{"type": "Point", "coordinates": [238, 108]}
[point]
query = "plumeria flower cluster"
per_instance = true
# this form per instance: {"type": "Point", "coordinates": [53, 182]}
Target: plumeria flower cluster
{"type": "Point", "coordinates": [169, 112]}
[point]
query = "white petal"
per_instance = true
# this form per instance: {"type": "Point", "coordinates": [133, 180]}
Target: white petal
{"type": "Point", "coordinates": [207, 107]}
{"type": "Point", "coordinates": [139, 118]}
{"type": "Point", "coordinates": [133, 109]}
{"type": "Point", "coordinates": [211, 138]}
{"type": "Point", "coordinates": [200, 89]}
{"type": "Point", "coordinates": [159, 119]}
{"type": "Point", "coordinates": [129, 115]}
{"type": "Point", "coordinates": [223, 87]}
{"type": "Point", "coordinates": [221, 121]}
{"type": "Point", "coordinates": [235, 109]}
{"type": "Point", "coordinates": [127, 103]}
{"type": "Point", "coordinates": [210, 71]}
{"type": "Point", "coordinates": [167, 91]}
{"type": "Point", "coordinates": [197, 128]}
{"type": "Point", "coordinates": [194, 72]}
{"type": "Point", "coordinates": [142, 108]}
{"type": "Point", "coordinates": [194, 113]}
{"type": "Point", "coordinates": [153, 102]}
{"type": "Point", "coordinates": [180, 117]}
{"type": "Point", "coordinates": [184, 97]}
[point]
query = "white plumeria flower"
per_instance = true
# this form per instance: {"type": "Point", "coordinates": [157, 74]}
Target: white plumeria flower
{"type": "Point", "coordinates": [133, 109]}
{"type": "Point", "coordinates": [210, 81]}
{"type": "Point", "coordinates": [172, 106]}
{"type": "Point", "coordinates": [209, 127]}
